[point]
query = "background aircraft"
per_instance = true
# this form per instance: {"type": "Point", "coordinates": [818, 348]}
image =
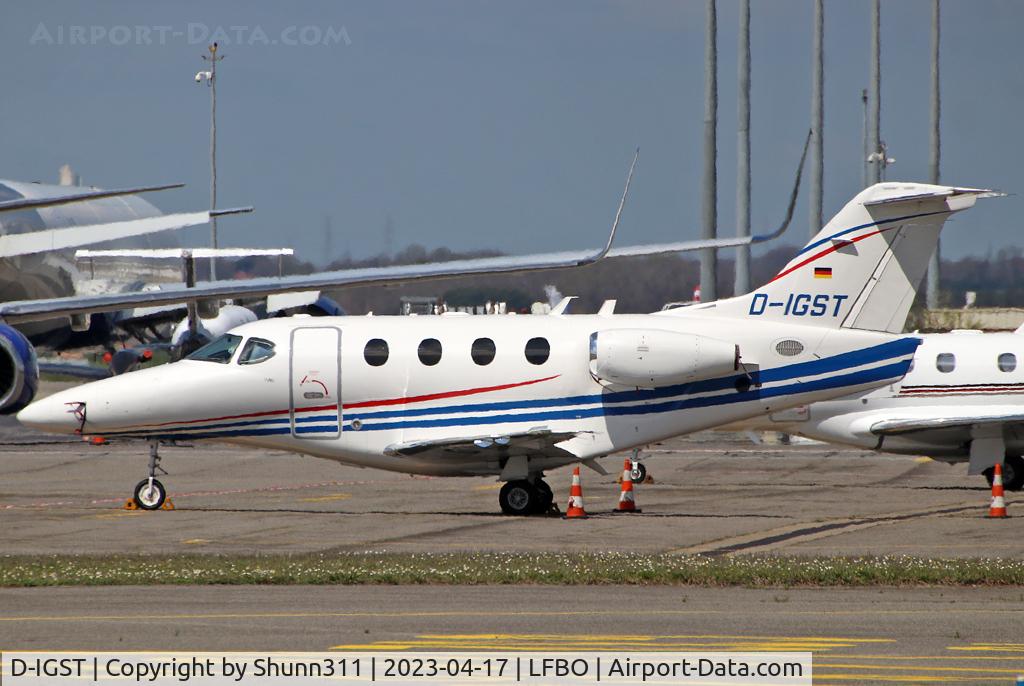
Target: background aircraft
{"type": "Point", "coordinates": [41, 224]}
{"type": "Point", "coordinates": [513, 396]}
{"type": "Point", "coordinates": [961, 401]}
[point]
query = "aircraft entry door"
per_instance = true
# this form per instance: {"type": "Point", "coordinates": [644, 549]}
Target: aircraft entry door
{"type": "Point", "coordinates": [314, 371]}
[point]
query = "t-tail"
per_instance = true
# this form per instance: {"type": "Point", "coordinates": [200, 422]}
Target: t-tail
{"type": "Point", "coordinates": [862, 270]}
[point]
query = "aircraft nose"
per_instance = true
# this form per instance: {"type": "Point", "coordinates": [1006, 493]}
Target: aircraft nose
{"type": "Point", "coordinates": [54, 414]}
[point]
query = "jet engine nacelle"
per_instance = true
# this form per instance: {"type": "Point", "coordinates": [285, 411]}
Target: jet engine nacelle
{"type": "Point", "coordinates": [647, 358]}
{"type": "Point", "coordinates": [19, 370]}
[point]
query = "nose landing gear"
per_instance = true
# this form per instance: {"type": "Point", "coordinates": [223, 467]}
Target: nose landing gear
{"type": "Point", "coordinates": [149, 493]}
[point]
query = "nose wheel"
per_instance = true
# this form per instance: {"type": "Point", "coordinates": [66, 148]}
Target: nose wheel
{"type": "Point", "coordinates": [149, 493]}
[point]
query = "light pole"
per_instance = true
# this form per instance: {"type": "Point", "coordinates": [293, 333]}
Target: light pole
{"type": "Point", "coordinates": [210, 77]}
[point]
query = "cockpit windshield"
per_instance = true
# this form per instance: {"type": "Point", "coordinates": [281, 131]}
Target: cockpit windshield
{"type": "Point", "coordinates": [256, 350]}
{"type": "Point", "coordinates": [218, 350]}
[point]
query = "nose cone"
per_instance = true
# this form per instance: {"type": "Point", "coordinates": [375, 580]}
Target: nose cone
{"type": "Point", "coordinates": [55, 414]}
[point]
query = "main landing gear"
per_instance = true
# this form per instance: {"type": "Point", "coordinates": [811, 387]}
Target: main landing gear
{"type": "Point", "coordinates": [526, 497]}
{"type": "Point", "coordinates": [150, 494]}
{"type": "Point", "coordinates": [1013, 473]}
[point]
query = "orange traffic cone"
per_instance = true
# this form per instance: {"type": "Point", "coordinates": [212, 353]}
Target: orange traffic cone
{"type": "Point", "coordinates": [998, 507]}
{"type": "Point", "coordinates": [574, 510]}
{"type": "Point", "coordinates": [627, 503]}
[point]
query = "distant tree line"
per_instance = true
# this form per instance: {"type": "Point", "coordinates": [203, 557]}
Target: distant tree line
{"type": "Point", "coordinates": [639, 284]}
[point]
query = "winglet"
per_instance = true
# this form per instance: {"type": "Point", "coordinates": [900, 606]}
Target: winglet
{"type": "Point", "coordinates": [792, 199]}
{"type": "Point", "coordinates": [600, 255]}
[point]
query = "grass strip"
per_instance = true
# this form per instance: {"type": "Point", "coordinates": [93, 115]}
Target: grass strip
{"type": "Point", "coordinates": [506, 568]}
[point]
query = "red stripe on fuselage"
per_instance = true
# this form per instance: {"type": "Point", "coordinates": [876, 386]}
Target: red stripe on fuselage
{"type": "Point", "coordinates": [448, 394]}
{"type": "Point", "coordinates": [367, 403]}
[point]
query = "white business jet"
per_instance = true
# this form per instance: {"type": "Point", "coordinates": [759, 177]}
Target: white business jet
{"type": "Point", "coordinates": [516, 395]}
{"type": "Point", "coordinates": [962, 400]}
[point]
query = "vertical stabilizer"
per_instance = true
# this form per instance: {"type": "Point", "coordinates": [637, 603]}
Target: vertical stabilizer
{"type": "Point", "coordinates": [863, 269]}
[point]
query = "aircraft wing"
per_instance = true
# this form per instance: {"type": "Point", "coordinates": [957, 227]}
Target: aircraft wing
{"type": "Point", "coordinates": [73, 236]}
{"type": "Point", "coordinates": [32, 203]}
{"type": "Point", "coordinates": [533, 442]}
{"type": "Point", "coordinates": [16, 312]}
{"type": "Point", "coordinates": [961, 418]}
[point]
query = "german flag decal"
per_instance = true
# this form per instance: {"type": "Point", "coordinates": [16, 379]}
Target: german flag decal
{"type": "Point", "coordinates": [823, 272]}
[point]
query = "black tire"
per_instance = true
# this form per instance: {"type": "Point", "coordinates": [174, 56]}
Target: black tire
{"type": "Point", "coordinates": [519, 498]}
{"type": "Point", "coordinates": [1013, 473]}
{"type": "Point", "coordinates": [638, 473]}
{"type": "Point", "coordinates": [546, 496]}
{"type": "Point", "coordinates": [150, 500]}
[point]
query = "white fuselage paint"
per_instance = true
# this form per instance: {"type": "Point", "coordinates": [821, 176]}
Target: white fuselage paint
{"type": "Point", "coordinates": [974, 383]}
{"type": "Point", "coordinates": [405, 400]}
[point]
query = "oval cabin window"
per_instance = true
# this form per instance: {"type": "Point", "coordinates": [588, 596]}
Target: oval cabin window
{"type": "Point", "coordinates": [945, 362]}
{"type": "Point", "coordinates": [538, 350]}
{"type": "Point", "coordinates": [1007, 362]}
{"type": "Point", "coordinates": [430, 351]}
{"type": "Point", "coordinates": [483, 351]}
{"type": "Point", "coordinates": [376, 352]}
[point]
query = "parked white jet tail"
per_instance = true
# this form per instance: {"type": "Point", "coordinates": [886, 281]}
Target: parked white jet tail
{"type": "Point", "coordinates": [862, 270]}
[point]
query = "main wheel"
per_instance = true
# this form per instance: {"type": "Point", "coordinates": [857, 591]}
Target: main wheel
{"type": "Point", "coordinates": [150, 498]}
{"type": "Point", "coordinates": [1013, 473]}
{"type": "Point", "coordinates": [519, 498]}
{"type": "Point", "coordinates": [546, 498]}
{"type": "Point", "coordinates": [638, 473]}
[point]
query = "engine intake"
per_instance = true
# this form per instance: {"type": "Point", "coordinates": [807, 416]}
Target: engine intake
{"type": "Point", "coordinates": [647, 358]}
{"type": "Point", "coordinates": [19, 370]}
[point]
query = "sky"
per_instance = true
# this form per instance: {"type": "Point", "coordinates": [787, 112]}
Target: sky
{"type": "Point", "coordinates": [505, 125]}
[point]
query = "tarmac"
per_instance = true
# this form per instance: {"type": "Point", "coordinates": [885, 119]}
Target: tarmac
{"type": "Point", "coordinates": [712, 493]}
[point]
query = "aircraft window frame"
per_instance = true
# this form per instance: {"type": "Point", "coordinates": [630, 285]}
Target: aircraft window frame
{"type": "Point", "coordinates": [1006, 362]}
{"type": "Point", "coordinates": [250, 345]}
{"type": "Point", "coordinates": [945, 362]}
{"type": "Point", "coordinates": [483, 351]}
{"type": "Point", "coordinates": [533, 353]}
{"type": "Point", "coordinates": [427, 354]}
{"type": "Point", "coordinates": [216, 345]}
{"type": "Point", "coordinates": [379, 356]}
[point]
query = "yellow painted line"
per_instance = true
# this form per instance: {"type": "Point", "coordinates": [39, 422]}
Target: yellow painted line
{"type": "Point", "coordinates": [897, 678]}
{"type": "Point", "coordinates": [609, 647]}
{"type": "Point", "coordinates": [117, 515]}
{"type": "Point", "coordinates": [487, 487]}
{"type": "Point", "coordinates": [923, 460]}
{"type": "Point", "coordinates": [912, 668]}
{"type": "Point", "coordinates": [326, 498]}
{"type": "Point", "coordinates": [196, 541]}
{"type": "Point", "coordinates": [646, 637]}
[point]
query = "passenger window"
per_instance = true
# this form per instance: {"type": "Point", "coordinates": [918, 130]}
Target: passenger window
{"type": "Point", "coordinates": [219, 350]}
{"type": "Point", "coordinates": [537, 350]}
{"type": "Point", "coordinates": [430, 351]}
{"type": "Point", "coordinates": [376, 352]}
{"type": "Point", "coordinates": [945, 362]}
{"type": "Point", "coordinates": [256, 350]}
{"type": "Point", "coordinates": [483, 351]}
{"type": "Point", "coordinates": [1007, 362]}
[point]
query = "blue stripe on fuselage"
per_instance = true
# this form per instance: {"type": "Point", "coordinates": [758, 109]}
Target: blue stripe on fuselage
{"type": "Point", "coordinates": [857, 358]}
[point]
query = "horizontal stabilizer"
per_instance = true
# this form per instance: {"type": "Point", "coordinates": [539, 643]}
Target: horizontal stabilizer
{"type": "Point", "coordinates": [182, 253]}
{"type": "Point", "coordinates": [74, 236]}
{"type": "Point", "coordinates": [957, 420]}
